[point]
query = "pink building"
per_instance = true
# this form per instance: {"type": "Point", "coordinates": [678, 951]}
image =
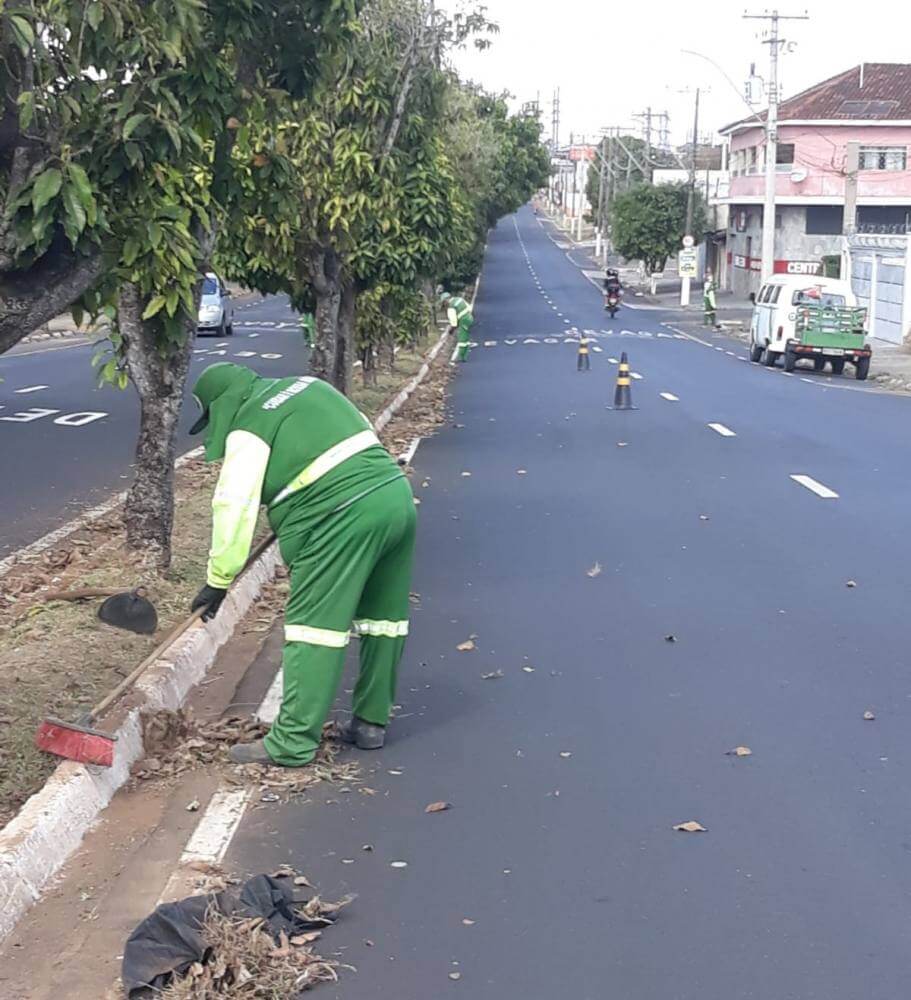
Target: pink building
{"type": "Point", "coordinates": [869, 104]}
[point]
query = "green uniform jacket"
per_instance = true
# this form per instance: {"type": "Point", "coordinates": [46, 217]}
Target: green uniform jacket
{"type": "Point", "coordinates": [294, 444]}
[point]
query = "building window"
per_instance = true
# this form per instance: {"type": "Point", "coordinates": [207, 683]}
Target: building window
{"type": "Point", "coordinates": [824, 220]}
{"type": "Point", "coordinates": [883, 157]}
{"type": "Point", "coordinates": [784, 154]}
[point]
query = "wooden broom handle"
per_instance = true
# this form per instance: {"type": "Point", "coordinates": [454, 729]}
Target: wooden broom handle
{"type": "Point", "coordinates": [173, 635]}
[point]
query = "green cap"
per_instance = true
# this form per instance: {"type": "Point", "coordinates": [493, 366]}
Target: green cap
{"type": "Point", "coordinates": [220, 391]}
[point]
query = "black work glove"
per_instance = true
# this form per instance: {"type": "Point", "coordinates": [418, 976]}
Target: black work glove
{"type": "Point", "coordinates": [209, 598]}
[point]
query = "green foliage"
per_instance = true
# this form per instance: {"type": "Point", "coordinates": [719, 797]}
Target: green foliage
{"type": "Point", "coordinates": [499, 163]}
{"type": "Point", "coordinates": [649, 223]}
{"type": "Point", "coordinates": [631, 163]}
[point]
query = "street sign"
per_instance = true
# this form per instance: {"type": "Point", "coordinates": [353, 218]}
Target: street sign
{"type": "Point", "coordinates": [688, 241]}
{"type": "Point", "coordinates": [688, 263]}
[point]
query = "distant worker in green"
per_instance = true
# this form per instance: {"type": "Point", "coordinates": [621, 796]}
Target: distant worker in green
{"type": "Point", "coordinates": [460, 317]}
{"type": "Point", "coordinates": [709, 305]}
{"type": "Point", "coordinates": [345, 519]}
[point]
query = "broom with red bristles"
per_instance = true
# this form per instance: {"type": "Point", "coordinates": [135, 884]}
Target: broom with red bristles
{"type": "Point", "coordinates": [78, 740]}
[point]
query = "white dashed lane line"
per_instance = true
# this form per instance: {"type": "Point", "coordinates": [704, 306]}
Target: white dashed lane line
{"type": "Point", "coordinates": [722, 430]}
{"type": "Point", "coordinates": [669, 396]}
{"type": "Point", "coordinates": [31, 388]}
{"type": "Point", "coordinates": [815, 487]}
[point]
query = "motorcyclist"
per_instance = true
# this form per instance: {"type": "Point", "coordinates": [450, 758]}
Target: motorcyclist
{"type": "Point", "coordinates": [612, 284]}
{"type": "Point", "coordinates": [613, 289]}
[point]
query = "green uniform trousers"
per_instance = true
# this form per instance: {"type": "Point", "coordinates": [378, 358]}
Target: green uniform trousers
{"type": "Point", "coordinates": [350, 573]}
{"type": "Point", "coordinates": [464, 337]}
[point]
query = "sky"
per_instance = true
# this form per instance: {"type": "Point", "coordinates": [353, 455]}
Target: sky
{"type": "Point", "coordinates": [612, 60]}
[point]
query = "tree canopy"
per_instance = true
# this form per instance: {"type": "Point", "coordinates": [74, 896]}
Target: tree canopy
{"type": "Point", "coordinates": [649, 223]}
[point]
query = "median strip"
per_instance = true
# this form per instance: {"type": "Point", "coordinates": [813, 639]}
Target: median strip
{"type": "Point", "coordinates": [815, 487]}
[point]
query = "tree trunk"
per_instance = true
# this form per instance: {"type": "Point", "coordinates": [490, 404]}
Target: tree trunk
{"type": "Point", "coordinates": [159, 381]}
{"type": "Point", "coordinates": [344, 352]}
{"type": "Point", "coordinates": [323, 268]}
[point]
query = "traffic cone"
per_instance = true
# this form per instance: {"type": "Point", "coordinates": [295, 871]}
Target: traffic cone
{"type": "Point", "coordinates": [623, 399]}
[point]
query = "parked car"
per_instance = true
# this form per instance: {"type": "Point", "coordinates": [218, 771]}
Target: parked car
{"type": "Point", "coordinates": [817, 319]}
{"type": "Point", "coordinates": [216, 310]}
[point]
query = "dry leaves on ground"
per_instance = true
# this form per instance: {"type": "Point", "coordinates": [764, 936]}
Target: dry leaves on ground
{"type": "Point", "coordinates": [594, 571]}
{"type": "Point", "coordinates": [176, 742]}
{"type": "Point", "coordinates": [245, 961]}
{"type": "Point", "coordinates": [691, 826]}
{"type": "Point", "coordinates": [869, 716]}
{"type": "Point", "coordinates": [466, 647]}
{"type": "Point", "coordinates": [739, 752]}
{"type": "Point", "coordinates": [492, 676]}
{"type": "Point", "coordinates": [438, 807]}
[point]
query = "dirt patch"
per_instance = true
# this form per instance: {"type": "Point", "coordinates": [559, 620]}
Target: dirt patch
{"type": "Point", "coordinates": [58, 659]}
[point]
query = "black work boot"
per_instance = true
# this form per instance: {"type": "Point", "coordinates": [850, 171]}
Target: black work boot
{"type": "Point", "coordinates": [364, 735]}
{"type": "Point", "coordinates": [251, 753]}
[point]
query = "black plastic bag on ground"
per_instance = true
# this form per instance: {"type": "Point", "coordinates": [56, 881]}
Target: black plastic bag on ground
{"type": "Point", "coordinates": [171, 939]}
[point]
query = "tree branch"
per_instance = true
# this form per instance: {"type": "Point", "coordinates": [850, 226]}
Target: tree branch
{"type": "Point", "coordinates": [30, 298]}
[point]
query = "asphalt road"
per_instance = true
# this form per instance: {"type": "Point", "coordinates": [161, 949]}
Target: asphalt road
{"type": "Point", "coordinates": [567, 773]}
{"type": "Point", "coordinates": [66, 444]}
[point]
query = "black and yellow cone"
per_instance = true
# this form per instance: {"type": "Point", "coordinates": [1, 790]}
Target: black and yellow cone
{"type": "Point", "coordinates": [623, 399]}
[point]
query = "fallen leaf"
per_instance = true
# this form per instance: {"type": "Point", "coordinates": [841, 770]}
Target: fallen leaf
{"type": "Point", "coordinates": [594, 571]}
{"type": "Point", "coordinates": [739, 752]}
{"type": "Point", "coordinates": [851, 583]}
{"type": "Point", "coordinates": [466, 646]}
{"type": "Point", "coordinates": [869, 716]}
{"type": "Point", "coordinates": [691, 826]}
{"type": "Point", "coordinates": [493, 675]}
{"type": "Point", "coordinates": [670, 638]}
{"type": "Point", "coordinates": [303, 880]}
{"type": "Point", "coordinates": [307, 938]}
{"type": "Point", "coordinates": [193, 806]}
{"type": "Point", "coordinates": [438, 807]}
{"type": "Point", "coordinates": [284, 871]}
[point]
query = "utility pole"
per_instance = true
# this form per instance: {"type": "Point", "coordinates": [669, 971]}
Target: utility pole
{"type": "Point", "coordinates": [852, 166]}
{"type": "Point", "coordinates": [774, 42]}
{"type": "Point", "coordinates": [647, 137]}
{"type": "Point", "coordinates": [690, 200]}
{"type": "Point", "coordinates": [600, 232]}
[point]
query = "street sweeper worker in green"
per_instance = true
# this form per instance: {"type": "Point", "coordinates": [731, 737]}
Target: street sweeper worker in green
{"type": "Point", "coordinates": [345, 519]}
{"type": "Point", "coordinates": [461, 319]}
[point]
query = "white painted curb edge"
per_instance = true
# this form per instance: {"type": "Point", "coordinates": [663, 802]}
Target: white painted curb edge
{"type": "Point", "coordinates": [38, 841]}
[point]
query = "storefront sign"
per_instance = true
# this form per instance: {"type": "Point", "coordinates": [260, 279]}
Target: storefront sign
{"type": "Point", "coordinates": [748, 263]}
{"type": "Point", "coordinates": [808, 267]}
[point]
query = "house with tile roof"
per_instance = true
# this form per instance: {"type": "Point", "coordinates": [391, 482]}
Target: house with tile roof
{"type": "Point", "coordinates": [869, 104]}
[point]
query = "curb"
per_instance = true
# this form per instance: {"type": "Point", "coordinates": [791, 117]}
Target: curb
{"type": "Point", "coordinates": [39, 840]}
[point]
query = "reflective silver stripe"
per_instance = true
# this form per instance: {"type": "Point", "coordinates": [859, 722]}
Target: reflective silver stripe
{"type": "Point", "coordinates": [326, 462]}
{"type": "Point", "coordinates": [316, 636]}
{"type": "Point", "coordinates": [391, 630]}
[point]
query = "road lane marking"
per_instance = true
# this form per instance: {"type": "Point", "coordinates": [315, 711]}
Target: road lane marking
{"type": "Point", "coordinates": [531, 340]}
{"type": "Point", "coordinates": [245, 354]}
{"type": "Point", "coordinates": [79, 419]}
{"type": "Point", "coordinates": [31, 388]}
{"type": "Point", "coordinates": [635, 375]}
{"type": "Point", "coordinates": [722, 430]}
{"type": "Point", "coordinates": [613, 361]}
{"type": "Point", "coordinates": [669, 396]}
{"type": "Point", "coordinates": [271, 357]}
{"type": "Point", "coordinates": [815, 487]}
{"type": "Point", "coordinates": [214, 832]}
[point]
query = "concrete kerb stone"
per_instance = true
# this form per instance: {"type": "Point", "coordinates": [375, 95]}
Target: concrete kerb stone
{"type": "Point", "coordinates": [51, 825]}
